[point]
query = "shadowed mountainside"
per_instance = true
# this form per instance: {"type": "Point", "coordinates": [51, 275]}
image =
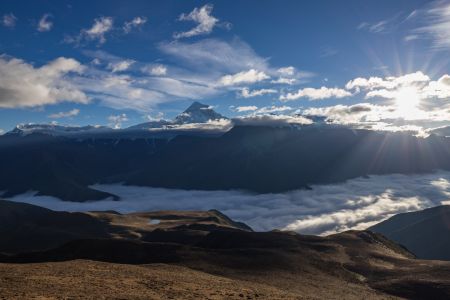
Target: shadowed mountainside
{"type": "Point", "coordinates": [425, 232]}
{"type": "Point", "coordinates": [254, 158]}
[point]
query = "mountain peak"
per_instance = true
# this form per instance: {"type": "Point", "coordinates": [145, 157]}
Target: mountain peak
{"type": "Point", "coordinates": [198, 113]}
{"type": "Point", "coordinates": [196, 106]}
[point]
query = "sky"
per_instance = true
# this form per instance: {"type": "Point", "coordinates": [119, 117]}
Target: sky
{"type": "Point", "coordinates": [373, 64]}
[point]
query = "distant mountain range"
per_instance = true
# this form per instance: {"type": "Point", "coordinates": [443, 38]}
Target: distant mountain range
{"type": "Point", "coordinates": [196, 113]}
{"type": "Point", "coordinates": [262, 159]}
{"type": "Point", "coordinates": [426, 233]}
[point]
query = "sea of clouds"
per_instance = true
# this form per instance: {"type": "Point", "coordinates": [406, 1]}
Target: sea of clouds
{"type": "Point", "coordinates": [326, 209]}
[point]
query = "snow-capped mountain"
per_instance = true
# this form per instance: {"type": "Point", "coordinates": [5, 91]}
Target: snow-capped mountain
{"type": "Point", "coordinates": [198, 113]}
{"type": "Point", "coordinates": [56, 130]}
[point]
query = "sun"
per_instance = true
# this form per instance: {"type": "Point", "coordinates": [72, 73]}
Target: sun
{"type": "Point", "coordinates": [407, 102]}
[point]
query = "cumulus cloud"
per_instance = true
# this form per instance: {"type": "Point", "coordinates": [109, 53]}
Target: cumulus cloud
{"type": "Point", "coordinates": [316, 94]}
{"type": "Point", "coordinates": [9, 20]}
{"type": "Point", "coordinates": [135, 23]}
{"type": "Point", "coordinates": [250, 76]}
{"type": "Point", "coordinates": [326, 209]}
{"type": "Point", "coordinates": [45, 24]}
{"type": "Point", "coordinates": [202, 16]}
{"type": "Point", "coordinates": [120, 66]}
{"type": "Point", "coordinates": [65, 114]}
{"type": "Point", "coordinates": [439, 88]}
{"type": "Point", "coordinates": [246, 93]}
{"type": "Point", "coordinates": [23, 85]}
{"type": "Point", "coordinates": [389, 82]}
{"type": "Point", "coordinates": [117, 120]}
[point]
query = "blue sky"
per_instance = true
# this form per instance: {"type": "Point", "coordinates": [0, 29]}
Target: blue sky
{"type": "Point", "coordinates": [382, 64]}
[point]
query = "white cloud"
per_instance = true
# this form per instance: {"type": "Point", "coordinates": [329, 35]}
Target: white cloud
{"type": "Point", "coordinates": [286, 71]}
{"type": "Point", "coordinates": [23, 85]}
{"type": "Point", "coordinates": [244, 108]}
{"type": "Point", "coordinates": [250, 76]}
{"type": "Point", "coordinates": [65, 114]}
{"type": "Point", "coordinates": [44, 23]}
{"type": "Point", "coordinates": [349, 114]}
{"type": "Point", "coordinates": [271, 120]}
{"type": "Point", "coordinates": [316, 94]}
{"type": "Point", "coordinates": [158, 70]}
{"type": "Point", "coordinates": [97, 32]}
{"type": "Point", "coordinates": [9, 20]}
{"type": "Point", "coordinates": [117, 120]}
{"type": "Point", "coordinates": [246, 93]}
{"type": "Point", "coordinates": [100, 27]}
{"type": "Point", "coordinates": [221, 125]}
{"type": "Point", "coordinates": [263, 110]}
{"type": "Point", "coordinates": [439, 88]}
{"type": "Point", "coordinates": [355, 204]}
{"type": "Point", "coordinates": [389, 82]}
{"type": "Point", "coordinates": [120, 66]}
{"type": "Point", "coordinates": [203, 17]}
{"type": "Point", "coordinates": [136, 22]}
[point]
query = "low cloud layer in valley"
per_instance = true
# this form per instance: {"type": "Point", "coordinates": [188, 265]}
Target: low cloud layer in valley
{"type": "Point", "coordinates": [326, 209]}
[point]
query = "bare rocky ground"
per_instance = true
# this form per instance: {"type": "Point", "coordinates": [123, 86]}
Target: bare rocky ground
{"type": "Point", "coordinates": [199, 255]}
{"type": "Point", "coordinates": [82, 279]}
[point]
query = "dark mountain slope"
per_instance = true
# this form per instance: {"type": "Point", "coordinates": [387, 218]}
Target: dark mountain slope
{"type": "Point", "coordinates": [254, 158]}
{"type": "Point", "coordinates": [345, 265]}
{"type": "Point", "coordinates": [265, 159]}
{"type": "Point", "coordinates": [426, 233]}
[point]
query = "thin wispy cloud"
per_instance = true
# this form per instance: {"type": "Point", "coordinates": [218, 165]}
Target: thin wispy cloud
{"type": "Point", "coordinates": [65, 114]}
{"type": "Point", "coordinates": [436, 24]}
{"type": "Point", "coordinates": [244, 77]}
{"type": "Point", "coordinates": [9, 20]}
{"type": "Point", "coordinates": [247, 93]}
